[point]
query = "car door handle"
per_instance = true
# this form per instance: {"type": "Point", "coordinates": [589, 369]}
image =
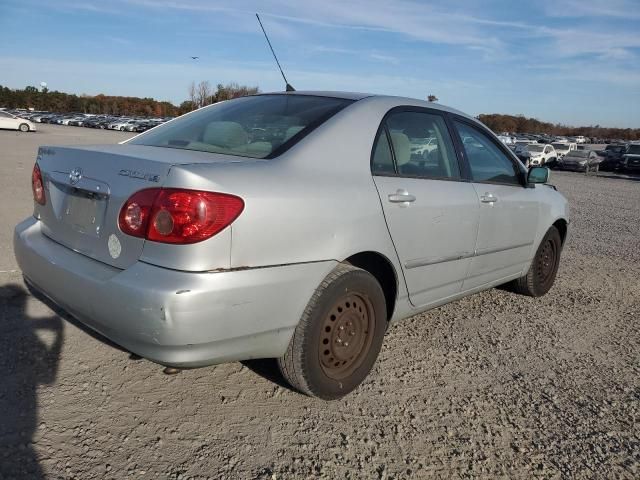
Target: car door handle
{"type": "Point", "coordinates": [401, 196]}
{"type": "Point", "coordinates": [488, 198]}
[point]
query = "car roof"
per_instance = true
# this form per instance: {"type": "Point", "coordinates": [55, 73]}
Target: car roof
{"type": "Point", "coordinates": [360, 96]}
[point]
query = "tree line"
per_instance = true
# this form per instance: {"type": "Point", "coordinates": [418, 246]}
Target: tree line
{"type": "Point", "coordinates": [202, 94]}
{"type": "Point", "coordinates": [60, 102]}
{"type": "Point", "coordinates": [520, 124]}
{"type": "Point", "coordinates": [55, 101]}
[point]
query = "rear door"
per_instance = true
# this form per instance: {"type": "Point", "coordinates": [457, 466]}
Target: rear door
{"type": "Point", "coordinates": [509, 212]}
{"type": "Point", "coordinates": [431, 212]}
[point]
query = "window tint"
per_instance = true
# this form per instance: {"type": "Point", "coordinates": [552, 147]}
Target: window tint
{"type": "Point", "coordinates": [488, 163]}
{"type": "Point", "coordinates": [422, 145]}
{"type": "Point", "coordinates": [382, 158]}
{"type": "Point", "coordinates": [254, 126]}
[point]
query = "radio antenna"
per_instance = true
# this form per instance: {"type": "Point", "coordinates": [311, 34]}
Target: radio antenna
{"type": "Point", "coordinates": [288, 87]}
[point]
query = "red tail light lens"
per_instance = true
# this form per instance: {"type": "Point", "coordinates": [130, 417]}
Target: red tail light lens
{"type": "Point", "coordinates": [171, 215]}
{"type": "Point", "coordinates": [37, 185]}
{"type": "Point", "coordinates": [134, 215]}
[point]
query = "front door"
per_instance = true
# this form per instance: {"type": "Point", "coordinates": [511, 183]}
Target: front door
{"type": "Point", "coordinates": [509, 212]}
{"type": "Point", "coordinates": [432, 214]}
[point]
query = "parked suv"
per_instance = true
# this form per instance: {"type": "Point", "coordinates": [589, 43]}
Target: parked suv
{"type": "Point", "coordinates": [542, 154]}
{"type": "Point", "coordinates": [631, 158]}
{"type": "Point", "coordinates": [613, 159]}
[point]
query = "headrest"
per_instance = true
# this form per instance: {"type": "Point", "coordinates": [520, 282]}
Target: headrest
{"type": "Point", "coordinates": [225, 134]}
{"type": "Point", "coordinates": [402, 148]}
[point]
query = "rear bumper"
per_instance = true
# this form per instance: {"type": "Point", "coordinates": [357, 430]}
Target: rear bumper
{"type": "Point", "coordinates": [175, 318]}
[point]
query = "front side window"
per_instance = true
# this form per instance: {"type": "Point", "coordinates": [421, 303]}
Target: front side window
{"type": "Point", "coordinates": [422, 146]}
{"type": "Point", "coordinates": [488, 163]}
{"type": "Point", "coordinates": [259, 126]}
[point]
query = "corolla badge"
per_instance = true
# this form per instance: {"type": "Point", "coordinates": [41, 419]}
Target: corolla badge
{"type": "Point", "coordinates": [75, 175]}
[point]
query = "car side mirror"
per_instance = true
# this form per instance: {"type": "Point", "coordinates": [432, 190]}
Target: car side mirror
{"type": "Point", "coordinates": [538, 175]}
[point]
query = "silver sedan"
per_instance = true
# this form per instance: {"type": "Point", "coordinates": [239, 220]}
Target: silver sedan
{"type": "Point", "coordinates": [291, 225]}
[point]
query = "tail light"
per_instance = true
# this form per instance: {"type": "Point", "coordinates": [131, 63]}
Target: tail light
{"type": "Point", "coordinates": [37, 185]}
{"type": "Point", "coordinates": [173, 215]}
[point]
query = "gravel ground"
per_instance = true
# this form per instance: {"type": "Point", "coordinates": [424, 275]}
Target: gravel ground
{"type": "Point", "coordinates": [494, 386]}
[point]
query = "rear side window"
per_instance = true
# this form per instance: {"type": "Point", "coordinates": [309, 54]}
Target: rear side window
{"type": "Point", "coordinates": [261, 126]}
{"type": "Point", "coordinates": [421, 147]}
{"type": "Point", "coordinates": [382, 157]}
{"type": "Point", "coordinates": [488, 162]}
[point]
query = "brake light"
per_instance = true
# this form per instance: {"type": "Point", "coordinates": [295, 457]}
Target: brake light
{"type": "Point", "coordinates": [37, 185]}
{"type": "Point", "coordinates": [173, 215]}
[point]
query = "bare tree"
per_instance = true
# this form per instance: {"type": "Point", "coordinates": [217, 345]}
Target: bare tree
{"type": "Point", "coordinates": [192, 95]}
{"type": "Point", "coordinates": [203, 93]}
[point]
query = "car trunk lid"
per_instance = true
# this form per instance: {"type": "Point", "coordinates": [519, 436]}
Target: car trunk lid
{"type": "Point", "coordinates": [85, 189]}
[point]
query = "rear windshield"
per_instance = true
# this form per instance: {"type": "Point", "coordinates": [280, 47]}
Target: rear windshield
{"type": "Point", "coordinates": [535, 148]}
{"type": "Point", "coordinates": [260, 126]}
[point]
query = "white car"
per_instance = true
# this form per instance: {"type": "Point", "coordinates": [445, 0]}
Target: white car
{"type": "Point", "coordinates": [122, 126]}
{"type": "Point", "coordinates": [541, 154]}
{"type": "Point", "coordinates": [562, 148]}
{"type": "Point", "coordinates": [11, 122]}
{"type": "Point", "coordinates": [580, 139]}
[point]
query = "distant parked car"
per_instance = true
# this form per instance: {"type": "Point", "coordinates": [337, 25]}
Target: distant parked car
{"type": "Point", "coordinates": [522, 153]}
{"type": "Point", "coordinates": [542, 154]}
{"type": "Point", "coordinates": [582, 161]}
{"type": "Point", "coordinates": [11, 122]}
{"type": "Point", "coordinates": [631, 158]}
{"type": "Point", "coordinates": [580, 139]}
{"type": "Point", "coordinates": [613, 160]}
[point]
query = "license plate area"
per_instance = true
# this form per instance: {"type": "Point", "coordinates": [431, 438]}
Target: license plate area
{"type": "Point", "coordinates": [84, 212]}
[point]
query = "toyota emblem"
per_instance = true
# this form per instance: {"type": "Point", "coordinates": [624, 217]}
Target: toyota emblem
{"type": "Point", "coordinates": [75, 175]}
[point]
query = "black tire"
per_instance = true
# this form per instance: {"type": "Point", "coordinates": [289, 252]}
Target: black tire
{"type": "Point", "coordinates": [23, 127]}
{"type": "Point", "coordinates": [348, 306]}
{"type": "Point", "coordinates": [544, 267]}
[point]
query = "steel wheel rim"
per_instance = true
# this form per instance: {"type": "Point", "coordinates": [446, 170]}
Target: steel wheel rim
{"type": "Point", "coordinates": [547, 261]}
{"type": "Point", "coordinates": [346, 335]}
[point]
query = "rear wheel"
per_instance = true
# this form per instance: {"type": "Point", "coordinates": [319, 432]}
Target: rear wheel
{"type": "Point", "coordinates": [337, 341]}
{"type": "Point", "coordinates": [544, 267]}
{"type": "Point", "coordinates": [24, 127]}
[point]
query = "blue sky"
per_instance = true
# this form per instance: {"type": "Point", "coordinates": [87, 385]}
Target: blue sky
{"type": "Point", "coordinates": [570, 61]}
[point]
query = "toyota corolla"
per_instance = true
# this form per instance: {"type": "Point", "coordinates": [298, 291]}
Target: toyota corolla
{"type": "Point", "coordinates": [293, 225]}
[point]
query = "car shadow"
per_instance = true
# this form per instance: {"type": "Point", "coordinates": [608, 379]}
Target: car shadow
{"type": "Point", "coordinates": [614, 176]}
{"type": "Point", "coordinates": [268, 369]}
{"type": "Point", "coordinates": [27, 362]}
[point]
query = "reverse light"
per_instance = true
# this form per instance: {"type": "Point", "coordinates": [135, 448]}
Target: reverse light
{"type": "Point", "coordinates": [173, 215]}
{"type": "Point", "coordinates": [37, 185]}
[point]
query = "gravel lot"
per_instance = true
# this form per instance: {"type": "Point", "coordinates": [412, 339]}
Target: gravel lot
{"type": "Point", "coordinates": [493, 386]}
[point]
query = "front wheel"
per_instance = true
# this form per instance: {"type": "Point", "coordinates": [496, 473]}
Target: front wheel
{"type": "Point", "coordinates": [337, 341]}
{"type": "Point", "coordinates": [24, 127]}
{"type": "Point", "coordinates": [544, 267]}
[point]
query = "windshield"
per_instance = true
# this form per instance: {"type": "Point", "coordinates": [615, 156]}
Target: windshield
{"type": "Point", "coordinates": [561, 146]}
{"type": "Point", "coordinates": [535, 148]}
{"type": "Point", "coordinates": [578, 153]}
{"type": "Point", "coordinates": [257, 127]}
